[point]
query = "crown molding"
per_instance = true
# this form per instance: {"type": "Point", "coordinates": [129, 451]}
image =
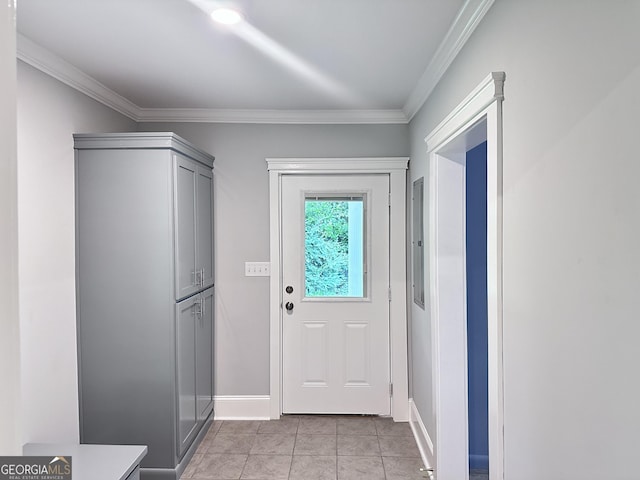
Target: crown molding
{"type": "Point", "coordinates": [142, 140]}
{"type": "Point", "coordinates": [205, 115]}
{"type": "Point", "coordinates": [463, 26]}
{"type": "Point", "coordinates": [469, 17]}
{"type": "Point", "coordinates": [39, 57]}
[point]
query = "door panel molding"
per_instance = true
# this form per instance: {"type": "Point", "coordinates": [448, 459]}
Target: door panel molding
{"type": "Point", "coordinates": [396, 168]}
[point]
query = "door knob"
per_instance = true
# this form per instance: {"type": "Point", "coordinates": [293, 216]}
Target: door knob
{"type": "Point", "coordinates": [288, 306]}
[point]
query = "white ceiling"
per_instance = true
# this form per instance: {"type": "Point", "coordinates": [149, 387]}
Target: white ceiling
{"type": "Point", "coordinates": [355, 60]}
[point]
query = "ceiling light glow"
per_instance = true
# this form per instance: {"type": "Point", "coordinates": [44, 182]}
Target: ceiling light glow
{"type": "Point", "coordinates": [226, 16]}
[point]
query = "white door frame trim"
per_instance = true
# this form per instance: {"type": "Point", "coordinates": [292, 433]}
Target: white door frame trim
{"type": "Point", "coordinates": [484, 104]}
{"type": "Point", "coordinates": [396, 168]}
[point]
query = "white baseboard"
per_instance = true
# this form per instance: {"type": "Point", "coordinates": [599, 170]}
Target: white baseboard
{"type": "Point", "coordinates": [241, 407]}
{"type": "Point", "coordinates": [425, 445]}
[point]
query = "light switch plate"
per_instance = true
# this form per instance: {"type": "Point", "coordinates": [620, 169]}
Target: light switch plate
{"type": "Point", "coordinates": [257, 269]}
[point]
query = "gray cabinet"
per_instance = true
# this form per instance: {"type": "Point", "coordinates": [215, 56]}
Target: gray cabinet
{"type": "Point", "coordinates": [186, 312]}
{"type": "Point", "coordinates": [204, 225]}
{"type": "Point", "coordinates": [145, 294]}
{"type": "Point", "coordinates": [194, 334]}
{"type": "Point", "coordinates": [194, 217]}
{"type": "Point", "coordinates": [204, 356]}
{"type": "Point", "coordinates": [187, 271]}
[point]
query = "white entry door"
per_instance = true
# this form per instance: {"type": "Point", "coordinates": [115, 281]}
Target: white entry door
{"type": "Point", "coordinates": [335, 294]}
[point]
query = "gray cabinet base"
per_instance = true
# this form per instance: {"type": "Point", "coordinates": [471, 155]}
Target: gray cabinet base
{"type": "Point", "coordinates": [175, 473]}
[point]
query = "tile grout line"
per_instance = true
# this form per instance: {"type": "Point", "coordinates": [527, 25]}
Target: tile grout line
{"type": "Point", "coordinates": [246, 460]}
{"type": "Point", "coordinates": [293, 450]}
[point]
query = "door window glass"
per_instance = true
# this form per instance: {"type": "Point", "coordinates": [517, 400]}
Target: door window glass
{"type": "Point", "coordinates": [334, 246]}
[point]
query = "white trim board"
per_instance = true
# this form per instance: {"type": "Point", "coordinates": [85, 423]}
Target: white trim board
{"type": "Point", "coordinates": [490, 90]}
{"type": "Point", "coordinates": [479, 114]}
{"type": "Point", "coordinates": [463, 26]}
{"type": "Point", "coordinates": [421, 435]}
{"type": "Point", "coordinates": [336, 165]}
{"type": "Point", "coordinates": [241, 407]}
{"type": "Point", "coordinates": [396, 168]}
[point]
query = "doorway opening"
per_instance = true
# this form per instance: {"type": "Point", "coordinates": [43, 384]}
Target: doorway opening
{"type": "Point", "coordinates": [476, 280]}
{"type": "Point", "coordinates": [281, 171]}
{"type": "Point", "coordinates": [476, 121]}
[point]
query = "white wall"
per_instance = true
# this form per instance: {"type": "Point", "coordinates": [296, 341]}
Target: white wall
{"type": "Point", "coordinates": [242, 226]}
{"type": "Point", "coordinates": [48, 114]}
{"type": "Point", "coordinates": [10, 412]}
{"type": "Point", "coordinates": [571, 231]}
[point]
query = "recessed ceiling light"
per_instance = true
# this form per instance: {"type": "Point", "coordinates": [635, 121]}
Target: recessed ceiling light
{"type": "Point", "coordinates": [226, 16]}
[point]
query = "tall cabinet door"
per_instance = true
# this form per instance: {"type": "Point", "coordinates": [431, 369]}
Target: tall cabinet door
{"type": "Point", "coordinates": [204, 225]}
{"type": "Point", "coordinates": [204, 356]}
{"type": "Point", "coordinates": [187, 280]}
{"type": "Point", "coordinates": [187, 313]}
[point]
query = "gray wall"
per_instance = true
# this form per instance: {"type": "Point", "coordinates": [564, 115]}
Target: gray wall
{"type": "Point", "coordinates": [571, 230]}
{"type": "Point", "coordinates": [242, 225]}
{"type": "Point", "coordinates": [10, 413]}
{"type": "Point", "coordinates": [48, 114]}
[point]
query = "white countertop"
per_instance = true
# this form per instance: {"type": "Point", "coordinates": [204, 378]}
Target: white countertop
{"type": "Point", "coordinates": [93, 462]}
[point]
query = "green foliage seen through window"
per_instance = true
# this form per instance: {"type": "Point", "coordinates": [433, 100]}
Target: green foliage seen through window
{"type": "Point", "coordinates": [326, 248]}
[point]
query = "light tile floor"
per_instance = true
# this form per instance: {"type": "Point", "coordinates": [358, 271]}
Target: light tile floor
{"type": "Point", "coordinates": [478, 475]}
{"type": "Point", "coordinates": [308, 447]}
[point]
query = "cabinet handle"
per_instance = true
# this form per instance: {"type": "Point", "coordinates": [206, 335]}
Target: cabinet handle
{"type": "Point", "coordinates": [202, 277]}
{"type": "Point", "coordinates": [197, 309]}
